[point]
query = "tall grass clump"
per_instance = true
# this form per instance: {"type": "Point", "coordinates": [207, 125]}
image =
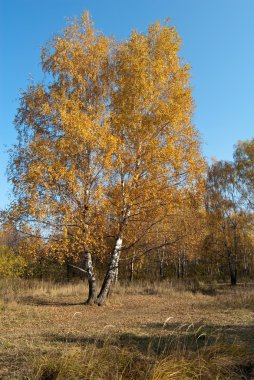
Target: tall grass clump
{"type": "Point", "coordinates": [186, 353]}
{"type": "Point", "coordinates": [109, 362]}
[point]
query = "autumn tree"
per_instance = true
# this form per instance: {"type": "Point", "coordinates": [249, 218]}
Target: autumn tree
{"type": "Point", "coordinates": [105, 143]}
{"type": "Point", "coordinates": [244, 162]}
{"type": "Point", "coordinates": [182, 231]}
{"type": "Point", "coordinates": [64, 144]}
{"type": "Point", "coordinates": [9, 236]}
{"type": "Point", "coordinates": [157, 156]}
{"type": "Point", "coordinates": [225, 207]}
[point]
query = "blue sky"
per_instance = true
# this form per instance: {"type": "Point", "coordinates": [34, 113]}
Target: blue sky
{"type": "Point", "coordinates": [217, 40]}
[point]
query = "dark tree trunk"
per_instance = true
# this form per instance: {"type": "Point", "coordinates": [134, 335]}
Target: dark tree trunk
{"type": "Point", "coordinates": [233, 279]}
{"type": "Point", "coordinates": [178, 268]}
{"type": "Point", "coordinates": [235, 257]}
{"type": "Point", "coordinates": [233, 267]}
{"type": "Point", "coordinates": [161, 269]}
{"type": "Point", "coordinates": [232, 273]}
{"type": "Point", "coordinates": [68, 269]}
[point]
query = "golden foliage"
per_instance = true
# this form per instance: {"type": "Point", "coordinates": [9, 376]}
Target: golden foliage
{"type": "Point", "coordinates": [108, 140]}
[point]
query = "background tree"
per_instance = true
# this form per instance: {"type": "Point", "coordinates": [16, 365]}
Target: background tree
{"type": "Point", "coordinates": [244, 161]}
{"type": "Point", "coordinates": [225, 209]}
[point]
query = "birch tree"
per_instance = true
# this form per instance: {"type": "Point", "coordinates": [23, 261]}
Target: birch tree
{"type": "Point", "coordinates": [106, 142]}
{"type": "Point", "coordinates": [244, 162]}
{"type": "Point", "coordinates": [58, 168]}
{"type": "Point", "coordinates": [225, 209]}
{"type": "Point", "coordinates": [157, 157]}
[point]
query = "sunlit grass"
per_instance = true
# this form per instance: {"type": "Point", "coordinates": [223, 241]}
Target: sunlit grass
{"type": "Point", "coordinates": [147, 331]}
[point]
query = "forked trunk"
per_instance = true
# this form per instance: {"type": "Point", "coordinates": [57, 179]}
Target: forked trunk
{"type": "Point", "coordinates": [91, 279]}
{"type": "Point", "coordinates": [111, 272]}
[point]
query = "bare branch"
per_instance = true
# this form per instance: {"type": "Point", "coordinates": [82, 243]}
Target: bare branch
{"type": "Point", "coordinates": [81, 269]}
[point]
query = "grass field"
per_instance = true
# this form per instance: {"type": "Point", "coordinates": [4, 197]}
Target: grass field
{"type": "Point", "coordinates": [149, 332]}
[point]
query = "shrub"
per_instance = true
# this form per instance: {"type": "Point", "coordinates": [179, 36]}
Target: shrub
{"type": "Point", "coordinates": [11, 264]}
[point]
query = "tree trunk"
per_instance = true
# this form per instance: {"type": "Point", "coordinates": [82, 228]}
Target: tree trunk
{"type": "Point", "coordinates": [132, 269]}
{"type": "Point", "coordinates": [91, 279]}
{"type": "Point", "coordinates": [178, 268]}
{"type": "Point", "coordinates": [246, 267]}
{"type": "Point", "coordinates": [116, 276]}
{"type": "Point", "coordinates": [161, 260]}
{"type": "Point", "coordinates": [235, 257]}
{"type": "Point", "coordinates": [182, 267]}
{"type": "Point", "coordinates": [230, 266]}
{"type": "Point", "coordinates": [111, 272]}
{"type": "Point", "coordinates": [161, 269]}
{"type": "Point", "coordinates": [68, 269]}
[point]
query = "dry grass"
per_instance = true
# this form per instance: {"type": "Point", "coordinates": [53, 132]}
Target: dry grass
{"type": "Point", "coordinates": [145, 332]}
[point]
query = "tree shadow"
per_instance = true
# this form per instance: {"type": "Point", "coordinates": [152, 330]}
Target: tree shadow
{"type": "Point", "coordinates": [209, 333]}
{"type": "Point", "coordinates": [145, 344]}
{"type": "Point", "coordinates": [165, 343]}
{"type": "Point", "coordinates": [44, 302]}
{"type": "Point", "coordinates": [167, 338]}
{"type": "Point", "coordinates": [76, 340]}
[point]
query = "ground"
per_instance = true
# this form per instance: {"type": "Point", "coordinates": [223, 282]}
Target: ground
{"type": "Point", "coordinates": [157, 324]}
